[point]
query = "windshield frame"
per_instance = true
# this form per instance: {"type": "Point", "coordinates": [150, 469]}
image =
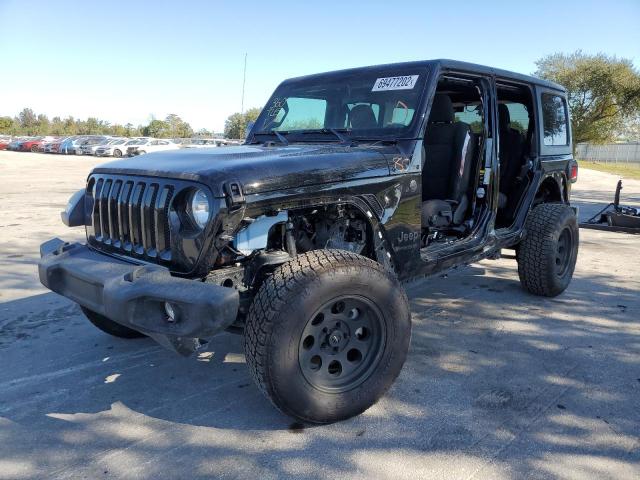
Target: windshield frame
{"type": "Point", "coordinates": [411, 131]}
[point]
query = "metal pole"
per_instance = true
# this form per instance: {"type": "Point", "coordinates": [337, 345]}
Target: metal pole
{"type": "Point", "coordinates": [244, 79]}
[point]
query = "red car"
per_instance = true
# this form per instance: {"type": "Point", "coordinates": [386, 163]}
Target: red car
{"type": "Point", "coordinates": [4, 142]}
{"type": "Point", "coordinates": [33, 145]}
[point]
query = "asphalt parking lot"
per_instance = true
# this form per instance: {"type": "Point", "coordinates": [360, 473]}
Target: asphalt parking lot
{"type": "Point", "coordinates": [499, 384]}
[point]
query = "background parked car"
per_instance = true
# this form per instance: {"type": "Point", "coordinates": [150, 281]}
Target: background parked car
{"type": "Point", "coordinates": [47, 145]}
{"type": "Point", "coordinates": [54, 147]}
{"type": "Point", "coordinates": [202, 143]}
{"type": "Point", "coordinates": [15, 144]}
{"type": "Point", "coordinates": [71, 144]}
{"type": "Point", "coordinates": [33, 144]}
{"type": "Point", "coordinates": [116, 148]}
{"type": "Point", "coordinates": [4, 142]}
{"type": "Point", "coordinates": [152, 145]}
{"type": "Point", "coordinates": [89, 146]}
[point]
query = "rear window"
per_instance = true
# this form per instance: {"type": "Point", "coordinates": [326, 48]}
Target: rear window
{"type": "Point", "coordinates": [375, 107]}
{"type": "Point", "coordinates": [402, 114]}
{"type": "Point", "coordinates": [554, 120]}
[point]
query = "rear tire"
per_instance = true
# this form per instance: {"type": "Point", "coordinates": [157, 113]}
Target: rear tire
{"type": "Point", "coordinates": [109, 326]}
{"type": "Point", "coordinates": [547, 255]}
{"type": "Point", "coordinates": [327, 334]}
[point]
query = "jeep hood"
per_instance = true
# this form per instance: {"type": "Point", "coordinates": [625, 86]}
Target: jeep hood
{"type": "Point", "coordinates": [258, 168]}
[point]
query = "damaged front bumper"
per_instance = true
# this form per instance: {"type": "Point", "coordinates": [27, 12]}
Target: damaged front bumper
{"type": "Point", "coordinates": [135, 295]}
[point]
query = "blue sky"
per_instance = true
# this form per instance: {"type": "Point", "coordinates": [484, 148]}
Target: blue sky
{"type": "Point", "coordinates": [127, 60]}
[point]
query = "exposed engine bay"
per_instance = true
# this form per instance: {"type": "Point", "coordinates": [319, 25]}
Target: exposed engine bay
{"type": "Point", "coordinates": [272, 239]}
{"type": "Point", "coordinates": [323, 230]}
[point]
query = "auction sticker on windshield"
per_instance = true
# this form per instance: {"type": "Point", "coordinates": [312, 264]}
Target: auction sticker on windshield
{"type": "Point", "coordinates": [405, 82]}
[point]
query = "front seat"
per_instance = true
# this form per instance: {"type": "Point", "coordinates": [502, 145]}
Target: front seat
{"type": "Point", "coordinates": [449, 149]}
{"type": "Point", "coordinates": [362, 117]}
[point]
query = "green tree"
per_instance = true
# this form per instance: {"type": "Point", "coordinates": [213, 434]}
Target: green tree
{"type": "Point", "coordinates": [69, 126]}
{"type": "Point", "coordinates": [236, 124]}
{"type": "Point", "coordinates": [629, 131]}
{"type": "Point", "coordinates": [203, 132]}
{"type": "Point", "coordinates": [28, 122]}
{"type": "Point", "coordinates": [57, 126]}
{"type": "Point", "coordinates": [131, 131]}
{"type": "Point", "coordinates": [178, 128]}
{"type": "Point", "coordinates": [118, 130]}
{"type": "Point", "coordinates": [156, 128]}
{"type": "Point", "coordinates": [44, 125]}
{"type": "Point", "coordinates": [603, 92]}
{"type": "Point", "coordinates": [8, 126]}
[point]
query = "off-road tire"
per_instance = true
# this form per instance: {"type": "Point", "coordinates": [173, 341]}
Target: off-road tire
{"type": "Point", "coordinates": [109, 326]}
{"type": "Point", "coordinates": [284, 306]}
{"type": "Point", "coordinates": [549, 226]}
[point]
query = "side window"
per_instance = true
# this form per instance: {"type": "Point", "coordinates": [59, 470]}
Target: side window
{"type": "Point", "coordinates": [554, 120]}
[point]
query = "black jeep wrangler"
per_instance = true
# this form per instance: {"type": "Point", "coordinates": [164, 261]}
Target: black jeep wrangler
{"type": "Point", "coordinates": [348, 183]}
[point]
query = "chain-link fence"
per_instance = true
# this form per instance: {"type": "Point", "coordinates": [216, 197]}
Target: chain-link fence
{"type": "Point", "coordinates": [609, 153]}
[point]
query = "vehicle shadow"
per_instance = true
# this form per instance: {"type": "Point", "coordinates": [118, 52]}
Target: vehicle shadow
{"type": "Point", "coordinates": [495, 378]}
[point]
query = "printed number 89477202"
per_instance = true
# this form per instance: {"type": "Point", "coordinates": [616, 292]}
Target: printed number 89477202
{"type": "Point", "coordinates": [405, 82]}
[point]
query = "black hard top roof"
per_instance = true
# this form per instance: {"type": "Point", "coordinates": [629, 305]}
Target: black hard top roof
{"type": "Point", "coordinates": [444, 63]}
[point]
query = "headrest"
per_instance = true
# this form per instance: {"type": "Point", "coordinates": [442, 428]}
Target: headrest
{"type": "Point", "coordinates": [362, 117]}
{"type": "Point", "coordinates": [504, 119]}
{"type": "Point", "coordinates": [442, 109]}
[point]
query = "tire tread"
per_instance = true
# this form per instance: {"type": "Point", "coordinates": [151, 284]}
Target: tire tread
{"type": "Point", "coordinates": [272, 296]}
{"type": "Point", "coordinates": [537, 245]}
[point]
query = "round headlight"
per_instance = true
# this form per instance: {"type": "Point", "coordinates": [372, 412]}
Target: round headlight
{"type": "Point", "coordinates": [200, 208]}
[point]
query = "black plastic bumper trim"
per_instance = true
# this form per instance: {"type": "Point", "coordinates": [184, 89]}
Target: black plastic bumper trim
{"type": "Point", "coordinates": [134, 295]}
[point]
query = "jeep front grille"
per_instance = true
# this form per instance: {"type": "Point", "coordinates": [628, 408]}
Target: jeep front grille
{"type": "Point", "coordinates": [130, 215]}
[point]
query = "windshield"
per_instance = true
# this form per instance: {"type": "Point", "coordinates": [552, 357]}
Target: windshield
{"type": "Point", "coordinates": [366, 104]}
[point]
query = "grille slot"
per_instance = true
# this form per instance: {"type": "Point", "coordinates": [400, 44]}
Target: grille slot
{"type": "Point", "coordinates": [132, 216]}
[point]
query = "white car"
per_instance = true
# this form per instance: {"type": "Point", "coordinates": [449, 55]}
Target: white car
{"type": "Point", "coordinates": [202, 143]}
{"type": "Point", "coordinates": [152, 145]}
{"type": "Point", "coordinates": [116, 148]}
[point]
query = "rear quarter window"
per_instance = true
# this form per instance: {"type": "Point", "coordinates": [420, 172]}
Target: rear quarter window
{"type": "Point", "coordinates": [554, 120]}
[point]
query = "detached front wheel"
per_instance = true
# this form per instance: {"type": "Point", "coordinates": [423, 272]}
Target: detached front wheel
{"type": "Point", "coordinates": [547, 255]}
{"type": "Point", "coordinates": [327, 334]}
